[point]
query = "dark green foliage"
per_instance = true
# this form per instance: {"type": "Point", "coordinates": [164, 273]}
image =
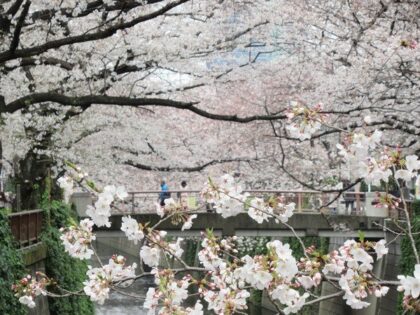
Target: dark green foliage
{"type": "Point", "coordinates": [321, 244]}
{"type": "Point", "coordinates": [11, 269]}
{"type": "Point", "coordinates": [67, 271]}
{"type": "Point", "coordinates": [407, 256]}
{"type": "Point", "coordinates": [191, 251]}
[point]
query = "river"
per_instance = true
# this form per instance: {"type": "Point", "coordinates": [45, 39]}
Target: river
{"type": "Point", "coordinates": [119, 304]}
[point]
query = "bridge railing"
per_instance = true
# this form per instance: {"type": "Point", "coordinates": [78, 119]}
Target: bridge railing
{"type": "Point", "coordinates": [305, 200]}
{"type": "Point", "coordinates": [348, 203]}
{"type": "Point", "coordinates": [26, 226]}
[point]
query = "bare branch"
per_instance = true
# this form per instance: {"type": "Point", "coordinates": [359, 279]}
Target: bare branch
{"type": "Point", "coordinates": [28, 52]}
{"type": "Point", "coordinates": [183, 169]}
{"type": "Point", "coordinates": [18, 29]}
{"type": "Point", "coordinates": [86, 101]}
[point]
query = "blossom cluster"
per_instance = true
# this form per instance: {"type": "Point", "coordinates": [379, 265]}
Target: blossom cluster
{"type": "Point", "coordinates": [102, 279]}
{"type": "Point", "coordinates": [411, 288]}
{"type": "Point", "coordinates": [225, 195]}
{"type": "Point", "coordinates": [354, 265]}
{"type": "Point", "coordinates": [178, 211]}
{"type": "Point", "coordinates": [358, 153]}
{"type": "Point", "coordinates": [78, 239]}
{"type": "Point", "coordinates": [101, 211]}
{"type": "Point", "coordinates": [276, 272]}
{"type": "Point", "coordinates": [132, 229]}
{"type": "Point", "coordinates": [284, 273]}
{"type": "Point", "coordinates": [172, 292]}
{"type": "Point", "coordinates": [28, 288]}
{"type": "Point", "coordinates": [304, 121]}
{"type": "Point", "coordinates": [170, 206]}
{"type": "Point", "coordinates": [228, 199]}
{"type": "Point", "coordinates": [66, 182]}
{"type": "Point", "coordinates": [150, 253]}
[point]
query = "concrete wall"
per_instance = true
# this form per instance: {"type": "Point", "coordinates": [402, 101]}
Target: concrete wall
{"type": "Point", "coordinates": [34, 259]}
{"type": "Point", "coordinates": [388, 304]}
{"type": "Point", "coordinates": [81, 200]}
{"type": "Point", "coordinates": [334, 306]}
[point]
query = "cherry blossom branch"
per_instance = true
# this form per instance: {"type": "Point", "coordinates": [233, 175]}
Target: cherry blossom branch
{"type": "Point", "coordinates": [101, 34]}
{"type": "Point", "coordinates": [88, 100]}
{"type": "Point", "coordinates": [408, 220]}
{"type": "Point", "coordinates": [197, 168]}
{"type": "Point", "coordinates": [16, 35]}
{"type": "Point", "coordinates": [326, 297]}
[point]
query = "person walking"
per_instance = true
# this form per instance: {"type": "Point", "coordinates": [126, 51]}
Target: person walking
{"type": "Point", "coordinates": [349, 198]}
{"type": "Point", "coordinates": [182, 195]}
{"type": "Point", "coordinates": [164, 194]}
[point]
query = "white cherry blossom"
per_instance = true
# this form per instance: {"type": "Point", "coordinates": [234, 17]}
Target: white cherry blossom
{"type": "Point", "coordinates": [131, 229]}
{"type": "Point", "coordinates": [411, 285]}
{"type": "Point", "coordinates": [188, 224]}
{"type": "Point", "coordinates": [150, 255]}
{"type": "Point", "coordinates": [259, 211]}
{"type": "Point", "coordinates": [78, 239]}
{"type": "Point", "coordinates": [380, 249]}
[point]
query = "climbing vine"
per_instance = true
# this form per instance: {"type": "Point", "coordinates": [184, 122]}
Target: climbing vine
{"type": "Point", "coordinates": [191, 250]}
{"type": "Point", "coordinates": [68, 272]}
{"type": "Point", "coordinates": [11, 268]}
{"type": "Point", "coordinates": [320, 243]}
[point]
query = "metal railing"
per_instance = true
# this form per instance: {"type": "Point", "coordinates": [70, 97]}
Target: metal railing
{"type": "Point", "coordinates": [305, 200]}
{"type": "Point", "coordinates": [348, 203]}
{"type": "Point", "coordinates": [26, 226]}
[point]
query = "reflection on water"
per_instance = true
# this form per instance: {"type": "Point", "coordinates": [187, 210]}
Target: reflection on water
{"type": "Point", "coordinates": [119, 304]}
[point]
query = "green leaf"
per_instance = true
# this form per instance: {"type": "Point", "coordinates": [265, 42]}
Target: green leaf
{"type": "Point", "coordinates": [361, 236]}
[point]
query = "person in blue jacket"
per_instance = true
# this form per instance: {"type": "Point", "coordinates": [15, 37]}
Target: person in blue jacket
{"type": "Point", "coordinates": [164, 194]}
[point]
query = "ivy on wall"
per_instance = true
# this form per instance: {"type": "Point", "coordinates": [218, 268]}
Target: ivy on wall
{"type": "Point", "coordinates": [191, 250]}
{"type": "Point", "coordinates": [67, 271]}
{"type": "Point", "coordinates": [11, 268]}
{"type": "Point", "coordinates": [408, 260]}
{"type": "Point", "coordinates": [321, 244]}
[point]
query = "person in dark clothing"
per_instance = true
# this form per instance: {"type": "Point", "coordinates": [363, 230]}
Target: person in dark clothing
{"type": "Point", "coordinates": [164, 194]}
{"type": "Point", "coordinates": [182, 195]}
{"type": "Point", "coordinates": [349, 197]}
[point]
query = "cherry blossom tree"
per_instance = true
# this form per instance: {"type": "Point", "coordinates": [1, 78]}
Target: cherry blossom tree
{"type": "Point", "coordinates": [64, 63]}
{"type": "Point", "coordinates": [270, 82]}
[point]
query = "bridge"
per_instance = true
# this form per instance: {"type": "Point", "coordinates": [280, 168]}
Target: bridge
{"type": "Point", "coordinates": [305, 200]}
{"type": "Point", "coordinates": [304, 224]}
{"type": "Point", "coordinates": [316, 214]}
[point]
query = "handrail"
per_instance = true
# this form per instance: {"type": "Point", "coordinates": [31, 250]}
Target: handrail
{"type": "Point", "coordinates": [21, 213]}
{"type": "Point", "coordinates": [300, 197]}
{"type": "Point", "coordinates": [246, 190]}
{"type": "Point", "coordinates": [305, 200]}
